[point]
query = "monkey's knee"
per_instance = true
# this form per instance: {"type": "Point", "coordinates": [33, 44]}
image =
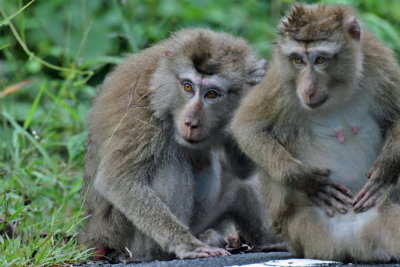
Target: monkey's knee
{"type": "Point", "coordinates": [213, 238]}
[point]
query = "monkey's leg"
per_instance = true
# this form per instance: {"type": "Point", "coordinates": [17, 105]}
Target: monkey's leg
{"type": "Point", "coordinates": [388, 230]}
{"type": "Point", "coordinates": [251, 220]}
{"type": "Point", "coordinates": [150, 215]}
{"type": "Point", "coordinates": [115, 238]}
{"type": "Point", "coordinates": [212, 238]}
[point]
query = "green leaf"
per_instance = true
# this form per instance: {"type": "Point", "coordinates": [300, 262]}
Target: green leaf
{"type": "Point", "coordinates": [76, 145]}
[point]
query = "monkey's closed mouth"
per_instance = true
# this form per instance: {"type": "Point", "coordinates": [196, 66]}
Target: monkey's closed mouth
{"type": "Point", "coordinates": [318, 104]}
{"type": "Point", "coordinates": [192, 141]}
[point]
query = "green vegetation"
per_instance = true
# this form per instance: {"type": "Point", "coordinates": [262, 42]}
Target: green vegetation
{"type": "Point", "coordinates": [53, 54]}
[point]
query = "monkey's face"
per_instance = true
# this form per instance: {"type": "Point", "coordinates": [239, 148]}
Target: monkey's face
{"type": "Point", "coordinates": [320, 56]}
{"type": "Point", "coordinates": [322, 72]}
{"type": "Point", "coordinates": [205, 108]}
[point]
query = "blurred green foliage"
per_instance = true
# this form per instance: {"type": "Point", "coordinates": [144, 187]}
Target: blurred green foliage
{"type": "Point", "coordinates": [52, 56]}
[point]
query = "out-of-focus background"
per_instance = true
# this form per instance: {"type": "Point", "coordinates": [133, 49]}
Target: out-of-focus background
{"type": "Point", "coordinates": [53, 54]}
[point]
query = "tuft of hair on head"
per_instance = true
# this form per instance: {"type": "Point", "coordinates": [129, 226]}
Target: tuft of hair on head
{"type": "Point", "coordinates": [214, 52]}
{"type": "Point", "coordinates": [200, 55]}
{"type": "Point", "coordinates": [308, 23]}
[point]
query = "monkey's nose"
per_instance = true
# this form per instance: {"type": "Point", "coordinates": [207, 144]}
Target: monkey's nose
{"type": "Point", "coordinates": [192, 124]}
{"type": "Point", "coordinates": [309, 95]}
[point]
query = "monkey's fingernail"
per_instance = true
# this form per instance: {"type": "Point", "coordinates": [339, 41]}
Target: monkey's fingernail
{"type": "Point", "coordinates": [342, 210]}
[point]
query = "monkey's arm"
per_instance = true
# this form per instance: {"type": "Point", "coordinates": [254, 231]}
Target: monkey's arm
{"type": "Point", "coordinates": [383, 174]}
{"type": "Point", "coordinates": [276, 160]}
{"type": "Point", "coordinates": [265, 114]}
{"type": "Point", "coordinates": [238, 161]}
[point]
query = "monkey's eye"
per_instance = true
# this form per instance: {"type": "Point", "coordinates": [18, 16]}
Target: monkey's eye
{"type": "Point", "coordinates": [320, 60]}
{"type": "Point", "coordinates": [298, 60]}
{"type": "Point", "coordinates": [187, 87]}
{"type": "Point", "coordinates": [212, 94]}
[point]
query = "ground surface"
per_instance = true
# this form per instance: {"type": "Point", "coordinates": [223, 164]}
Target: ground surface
{"type": "Point", "coordinates": [249, 260]}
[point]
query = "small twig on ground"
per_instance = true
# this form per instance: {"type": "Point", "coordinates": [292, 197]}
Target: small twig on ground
{"type": "Point", "coordinates": [15, 87]}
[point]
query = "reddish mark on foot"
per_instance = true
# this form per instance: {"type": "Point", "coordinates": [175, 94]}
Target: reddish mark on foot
{"type": "Point", "coordinates": [100, 253]}
{"type": "Point", "coordinates": [355, 129]}
{"type": "Point", "coordinates": [340, 136]}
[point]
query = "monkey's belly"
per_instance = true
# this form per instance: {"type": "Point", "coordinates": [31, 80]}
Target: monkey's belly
{"type": "Point", "coordinates": [346, 145]}
{"type": "Point", "coordinates": [207, 184]}
{"type": "Point", "coordinates": [366, 236]}
{"type": "Point", "coordinates": [346, 228]}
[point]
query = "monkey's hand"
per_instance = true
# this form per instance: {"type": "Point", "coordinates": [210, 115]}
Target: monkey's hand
{"type": "Point", "coordinates": [202, 252]}
{"type": "Point", "coordinates": [381, 180]}
{"type": "Point", "coordinates": [324, 192]}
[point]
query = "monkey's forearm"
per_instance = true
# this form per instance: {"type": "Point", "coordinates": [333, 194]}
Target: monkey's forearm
{"type": "Point", "coordinates": [388, 162]}
{"type": "Point", "coordinates": [267, 153]}
{"type": "Point", "coordinates": [238, 161]}
{"type": "Point", "coordinates": [142, 206]}
{"type": "Point", "coordinates": [284, 168]}
{"type": "Point", "coordinates": [384, 173]}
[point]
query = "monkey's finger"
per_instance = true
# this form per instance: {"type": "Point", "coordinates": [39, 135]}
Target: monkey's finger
{"type": "Point", "coordinates": [339, 195]}
{"type": "Point", "coordinates": [322, 171]}
{"type": "Point", "coordinates": [194, 255]}
{"type": "Point", "coordinates": [362, 192]}
{"type": "Point", "coordinates": [213, 251]}
{"type": "Point", "coordinates": [328, 210]}
{"type": "Point", "coordinates": [371, 171]}
{"type": "Point", "coordinates": [342, 189]}
{"type": "Point", "coordinates": [369, 174]}
{"type": "Point", "coordinates": [219, 252]}
{"type": "Point", "coordinates": [359, 204]}
{"type": "Point", "coordinates": [359, 196]}
{"type": "Point", "coordinates": [338, 205]}
{"type": "Point", "coordinates": [321, 202]}
{"type": "Point", "coordinates": [371, 202]}
{"type": "Point", "coordinates": [222, 252]}
{"type": "Point", "coordinates": [369, 188]}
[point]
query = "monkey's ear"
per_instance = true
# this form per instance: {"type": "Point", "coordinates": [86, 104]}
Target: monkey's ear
{"type": "Point", "coordinates": [256, 71]}
{"type": "Point", "coordinates": [353, 28]}
{"type": "Point", "coordinates": [168, 52]}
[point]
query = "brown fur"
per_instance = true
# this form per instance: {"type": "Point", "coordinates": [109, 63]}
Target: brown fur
{"type": "Point", "coordinates": [307, 23]}
{"type": "Point", "coordinates": [140, 184]}
{"type": "Point", "coordinates": [275, 130]}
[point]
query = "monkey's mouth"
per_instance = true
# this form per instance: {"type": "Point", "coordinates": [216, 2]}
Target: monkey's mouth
{"type": "Point", "coordinates": [318, 103]}
{"type": "Point", "coordinates": [192, 141]}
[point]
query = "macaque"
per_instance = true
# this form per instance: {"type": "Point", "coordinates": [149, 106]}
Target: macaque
{"type": "Point", "coordinates": [160, 164]}
{"type": "Point", "coordinates": [323, 128]}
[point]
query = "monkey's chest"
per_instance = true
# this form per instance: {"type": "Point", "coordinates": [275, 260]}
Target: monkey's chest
{"type": "Point", "coordinates": [207, 182]}
{"type": "Point", "coordinates": [347, 143]}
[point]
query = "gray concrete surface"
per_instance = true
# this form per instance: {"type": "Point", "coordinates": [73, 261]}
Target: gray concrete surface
{"type": "Point", "coordinates": [263, 259]}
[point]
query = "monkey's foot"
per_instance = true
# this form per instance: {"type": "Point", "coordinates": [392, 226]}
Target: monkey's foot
{"type": "Point", "coordinates": [100, 253]}
{"type": "Point", "coordinates": [117, 257]}
{"type": "Point", "coordinates": [213, 239]}
{"type": "Point", "coordinates": [271, 248]}
{"type": "Point", "coordinates": [204, 252]}
{"type": "Point", "coordinates": [234, 241]}
{"type": "Point", "coordinates": [112, 256]}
